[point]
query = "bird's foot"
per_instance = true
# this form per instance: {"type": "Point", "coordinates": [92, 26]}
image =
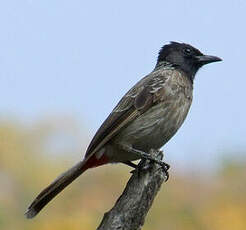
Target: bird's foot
{"type": "Point", "coordinates": [146, 156]}
{"type": "Point", "coordinates": [163, 164]}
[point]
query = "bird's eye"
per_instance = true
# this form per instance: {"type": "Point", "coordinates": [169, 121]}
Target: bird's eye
{"type": "Point", "coordinates": [187, 51]}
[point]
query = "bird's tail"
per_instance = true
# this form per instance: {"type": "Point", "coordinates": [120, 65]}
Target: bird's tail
{"type": "Point", "coordinates": [53, 189]}
{"type": "Point", "coordinates": [60, 183]}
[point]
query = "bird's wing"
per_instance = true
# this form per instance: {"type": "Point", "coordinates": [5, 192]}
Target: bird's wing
{"type": "Point", "coordinates": [137, 100]}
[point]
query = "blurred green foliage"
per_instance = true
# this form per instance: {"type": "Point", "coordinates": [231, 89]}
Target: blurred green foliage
{"type": "Point", "coordinates": [186, 202]}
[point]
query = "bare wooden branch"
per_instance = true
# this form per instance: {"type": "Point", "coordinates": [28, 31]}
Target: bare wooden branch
{"type": "Point", "coordinates": [131, 208]}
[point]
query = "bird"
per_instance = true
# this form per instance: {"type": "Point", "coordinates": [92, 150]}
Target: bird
{"type": "Point", "coordinates": [146, 118]}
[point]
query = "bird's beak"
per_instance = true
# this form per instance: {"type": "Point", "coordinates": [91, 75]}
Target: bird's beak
{"type": "Point", "coordinates": [206, 59]}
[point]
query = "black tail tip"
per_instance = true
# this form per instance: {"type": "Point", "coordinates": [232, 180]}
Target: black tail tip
{"type": "Point", "coordinates": [30, 213]}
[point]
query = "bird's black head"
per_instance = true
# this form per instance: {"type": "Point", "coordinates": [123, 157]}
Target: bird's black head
{"type": "Point", "coordinates": [184, 57]}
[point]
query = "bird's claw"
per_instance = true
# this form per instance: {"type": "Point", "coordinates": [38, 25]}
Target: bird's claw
{"type": "Point", "coordinates": [165, 168]}
{"type": "Point", "coordinates": [163, 165]}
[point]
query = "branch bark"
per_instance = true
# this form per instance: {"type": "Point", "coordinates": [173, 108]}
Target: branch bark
{"type": "Point", "coordinates": [131, 208]}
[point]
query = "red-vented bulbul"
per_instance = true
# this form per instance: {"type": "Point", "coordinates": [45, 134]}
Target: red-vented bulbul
{"type": "Point", "coordinates": [147, 116]}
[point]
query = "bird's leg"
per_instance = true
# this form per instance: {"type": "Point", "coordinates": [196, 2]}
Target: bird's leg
{"type": "Point", "coordinates": [146, 156]}
{"type": "Point", "coordinates": [129, 163]}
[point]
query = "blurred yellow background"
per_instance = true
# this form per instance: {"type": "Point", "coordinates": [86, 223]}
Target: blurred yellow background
{"type": "Point", "coordinates": [208, 201]}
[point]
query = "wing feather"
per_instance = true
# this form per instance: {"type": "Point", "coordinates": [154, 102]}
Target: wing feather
{"type": "Point", "coordinates": [136, 101]}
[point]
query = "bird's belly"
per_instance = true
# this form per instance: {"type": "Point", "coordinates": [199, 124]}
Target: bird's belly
{"type": "Point", "coordinates": [155, 127]}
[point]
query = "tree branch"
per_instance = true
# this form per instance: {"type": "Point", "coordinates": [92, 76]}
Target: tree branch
{"type": "Point", "coordinates": [131, 208]}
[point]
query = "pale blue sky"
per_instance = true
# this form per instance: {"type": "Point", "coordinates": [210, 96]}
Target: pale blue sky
{"type": "Point", "coordinates": [80, 57]}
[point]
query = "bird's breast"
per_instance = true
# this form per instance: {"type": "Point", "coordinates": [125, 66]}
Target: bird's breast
{"type": "Point", "coordinates": [155, 127]}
